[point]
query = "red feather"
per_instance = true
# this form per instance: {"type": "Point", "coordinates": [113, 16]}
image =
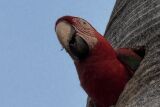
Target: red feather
{"type": "Point", "coordinates": [104, 72]}
{"type": "Point", "coordinates": [102, 75]}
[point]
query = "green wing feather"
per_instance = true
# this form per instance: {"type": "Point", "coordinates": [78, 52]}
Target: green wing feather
{"type": "Point", "coordinates": [130, 58]}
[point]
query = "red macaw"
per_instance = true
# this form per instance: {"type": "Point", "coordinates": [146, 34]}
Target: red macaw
{"type": "Point", "coordinates": [103, 71]}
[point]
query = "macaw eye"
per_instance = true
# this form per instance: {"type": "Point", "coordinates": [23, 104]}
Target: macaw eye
{"type": "Point", "coordinates": [85, 24]}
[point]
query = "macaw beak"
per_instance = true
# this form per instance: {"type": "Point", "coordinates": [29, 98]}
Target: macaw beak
{"type": "Point", "coordinates": [74, 44]}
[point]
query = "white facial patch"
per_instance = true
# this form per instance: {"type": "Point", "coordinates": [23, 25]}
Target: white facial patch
{"type": "Point", "coordinates": [91, 41]}
{"type": "Point", "coordinates": [64, 32]}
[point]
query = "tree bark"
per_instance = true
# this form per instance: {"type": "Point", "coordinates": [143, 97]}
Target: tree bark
{"type": "Point", "coordinates": [136, 23]}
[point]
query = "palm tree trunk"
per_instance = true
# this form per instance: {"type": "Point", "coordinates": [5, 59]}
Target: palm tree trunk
{"type": "Point", "coordinates": [136, 23]}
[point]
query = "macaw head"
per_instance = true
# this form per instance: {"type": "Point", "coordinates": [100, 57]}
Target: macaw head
{"type": "Point", "coordinates": [77, 36]}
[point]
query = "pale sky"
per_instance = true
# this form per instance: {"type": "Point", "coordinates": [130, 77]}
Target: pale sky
{"type": "Point", "coordinates": [34, 72]}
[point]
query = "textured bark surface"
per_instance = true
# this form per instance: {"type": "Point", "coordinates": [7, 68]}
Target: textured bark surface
{"type": "Point", "coordinates": [135, 23]}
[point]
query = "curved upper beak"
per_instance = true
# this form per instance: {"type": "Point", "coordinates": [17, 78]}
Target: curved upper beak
{"type": "Point", "coordinates": [73, 43]}
{"type": "Point", "coordinates": [64, 33]}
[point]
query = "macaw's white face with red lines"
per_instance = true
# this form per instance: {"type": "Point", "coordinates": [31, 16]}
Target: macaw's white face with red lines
{"type": "Point", "coordinates": [83, 26]}
{"type": "Point", "coordinates": [76, 35]}
{"type": "Point", "coordinates": [86, 31]}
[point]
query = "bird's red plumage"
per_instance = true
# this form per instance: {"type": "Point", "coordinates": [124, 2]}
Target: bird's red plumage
{"type": "Point", "coordinates": [102, 76]}
{"type": "Point", "coordinates": [101, 73]}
